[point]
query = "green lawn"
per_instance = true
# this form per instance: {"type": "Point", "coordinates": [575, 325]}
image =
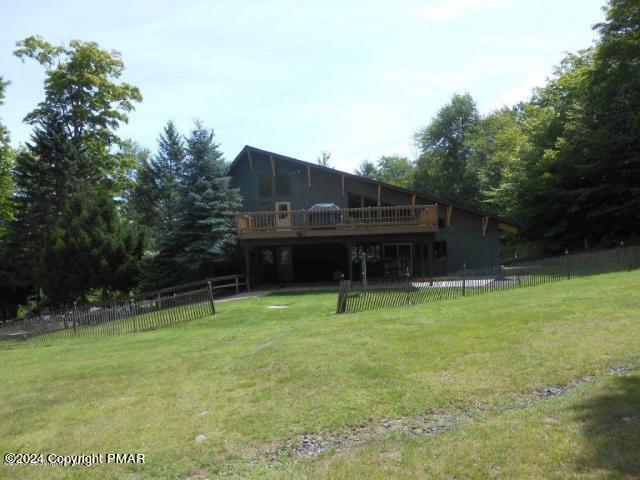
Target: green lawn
{"type": "Point", "coordinates": [253, 378]}
{"type": "Point", "coordinates": [592, 432]}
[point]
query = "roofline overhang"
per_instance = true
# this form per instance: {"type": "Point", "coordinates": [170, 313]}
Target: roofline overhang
{"type": "Point", "coordinates": [430, 198]}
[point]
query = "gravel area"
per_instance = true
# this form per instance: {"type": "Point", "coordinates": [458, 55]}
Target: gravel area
{"type": "Point", "coordinates": [433, 423]}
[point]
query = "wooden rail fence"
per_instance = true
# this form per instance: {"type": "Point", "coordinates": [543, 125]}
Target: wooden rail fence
{"type": "Point", "coordinates": [146, 311]}
{"type": "Point", "coordinates": [372, 294]}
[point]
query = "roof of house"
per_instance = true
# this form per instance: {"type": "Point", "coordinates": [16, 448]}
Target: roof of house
{"type": "Point", "coordinates": [430, 198]}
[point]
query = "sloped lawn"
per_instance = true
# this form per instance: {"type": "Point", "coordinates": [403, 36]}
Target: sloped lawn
{"type": "Point", "coordinates": [255, 378]}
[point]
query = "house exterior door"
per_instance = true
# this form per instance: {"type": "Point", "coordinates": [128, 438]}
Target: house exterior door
{"type": "Point", "coordinates": [285, 264]}
{"type": "Point", "coordinates": [398, 259]}
{"type": "Point", "coordinates": [283, 215]}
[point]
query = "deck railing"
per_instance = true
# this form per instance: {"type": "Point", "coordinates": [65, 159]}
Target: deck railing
{"type": "Point", "coordinates": [344, 218]}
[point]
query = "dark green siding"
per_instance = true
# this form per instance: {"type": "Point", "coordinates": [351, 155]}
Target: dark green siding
{"type": "Point", "coordinates": [464, 239]}
{"type": "Point", "coordinates": [465, 243]}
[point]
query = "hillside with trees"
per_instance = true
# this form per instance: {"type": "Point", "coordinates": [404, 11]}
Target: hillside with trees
{"type": "Point", "coordinates": [86, 214]}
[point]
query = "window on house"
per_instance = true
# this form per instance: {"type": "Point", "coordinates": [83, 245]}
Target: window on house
{"type": "Point", "coordinates": [267, 255]}
{"type": "Point", "coordinates": [283, 185]}
{"type": "Point", "coordinates": [285, 256]}
{"type": "Point", "coordinates": [439, 250]}
{"type": "Point", "coordinates": [265, 187]}
{"type": "Point", "coordinates": [441, 223]}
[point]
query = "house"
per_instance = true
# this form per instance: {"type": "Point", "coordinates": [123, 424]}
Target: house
{"type": "Point", "coordinates": [302, 222]}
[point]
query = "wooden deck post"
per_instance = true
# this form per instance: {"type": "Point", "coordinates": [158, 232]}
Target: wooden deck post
{"type": "Point", "coordinates": [350, 268]}
{"type": "Point", "coordinates": [430, 260]}
{"type": "Point", "coordinates": [421, 247]}
{"type": "Point", "coordinates": [247, 267]}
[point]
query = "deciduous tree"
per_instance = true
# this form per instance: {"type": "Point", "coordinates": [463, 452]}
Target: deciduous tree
{"type": "Point", "coordinates": [6, 160]}
{"type": "Point", "coordinates": [443, 165]}
{"type": "Point", "coordinates": [392, 169]}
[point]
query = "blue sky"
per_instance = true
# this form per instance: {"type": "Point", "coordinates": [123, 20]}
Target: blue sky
{"type": "Point", "coordinates": [355, 78]}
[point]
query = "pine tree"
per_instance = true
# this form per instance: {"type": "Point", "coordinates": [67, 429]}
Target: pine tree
{"type": "Point", "coordinates": [205, 208]}
{"type": "Point", "coordinates": [44, 174]}
{"type": "Point", "coordinates": [156, 193]}
{"type": "Point", "coordinates": [103, 248]}
{"type": "Point", "coordinates": [74, 157]}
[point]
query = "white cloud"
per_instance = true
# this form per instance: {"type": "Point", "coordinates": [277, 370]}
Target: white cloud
{"type": "Point", "coordinates": [448, 9]}
{"type": "Point", "coordinates": [515, 95]}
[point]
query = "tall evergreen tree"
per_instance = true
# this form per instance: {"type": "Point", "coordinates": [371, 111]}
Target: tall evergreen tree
{"type": "Point", "coordinates": [104, 249]}
{"type": "Point", "coordinates": [44, 173]}
{"type": "Point", "coordinates": [156, 193]}
{"type": "Point", "coordinates": [74, 145]}
{"type": "Point", "coordinates": [205, 207]}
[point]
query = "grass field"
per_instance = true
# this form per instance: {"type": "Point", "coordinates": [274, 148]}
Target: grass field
{"type": "Point", "coordinates": [255, 378]}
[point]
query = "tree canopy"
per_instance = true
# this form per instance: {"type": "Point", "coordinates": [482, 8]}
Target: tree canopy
{"type": "Point", "coordinates": [73, 160]}
{"type": "Point", "coordinates": [443, 167]}
{"type": "Point", "coordinates": [84, 212]}
{"type": "Point", "coordinates": [6, 160]}
{"type": "Point", "coordinates": [203, 212]}
{"type": "Point", "coordinates": [393, 169]}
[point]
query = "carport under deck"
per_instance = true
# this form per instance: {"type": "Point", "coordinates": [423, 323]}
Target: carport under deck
{"type": "Point", "coordinates": [307, 260]}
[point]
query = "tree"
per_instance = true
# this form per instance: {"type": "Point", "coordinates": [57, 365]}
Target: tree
{"type": "Point", "coordinates": [80, 90]}
{"type": "Point", "coordinates": [324, 158]}
{"type": "Point", "coordinates": [6, 160]}
{"type": "Point", "coordinates": [157, 182]}
{"type": "Point", "coordinates": [205, 208]}
{"type": "Point", "coordinates": [74, 145]}
{"type": "Point", "coordinates": [10, 294]}
{"type": "Point", "coordinates": [496, 144]}
{"type": "Point", "coordinates": [392, 169]}
{"type": "Point", "coordinates": [583, 171]}
{"type": "Point", "coordinates": [44, 171]}
{"type": "Point", "coordinates": [104, 249]}
{"type": "Point", "coordinates": [367, 169]}
{"type": "Point", "coordinates": [443, 166]}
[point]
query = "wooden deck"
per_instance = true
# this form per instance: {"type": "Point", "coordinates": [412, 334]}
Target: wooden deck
{"type": "Point", "coordinates": [342, 222]}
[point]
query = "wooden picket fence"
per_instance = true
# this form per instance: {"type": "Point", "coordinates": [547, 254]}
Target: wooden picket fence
{"type": "Point", "coordinates": [373, 294]}
{"type": "Point", "coordinates": [146, 311]}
